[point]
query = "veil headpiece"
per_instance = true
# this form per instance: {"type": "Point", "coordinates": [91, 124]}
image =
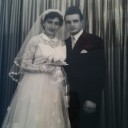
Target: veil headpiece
{"type": "Point", "coordinates": [16, 71]}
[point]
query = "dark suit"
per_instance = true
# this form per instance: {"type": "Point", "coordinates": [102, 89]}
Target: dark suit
{"type": "Point", "coordinates": [86, 76]}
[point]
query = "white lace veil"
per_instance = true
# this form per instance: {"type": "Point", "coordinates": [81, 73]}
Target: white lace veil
{"type": "Point", "coordinates": [16, 71]}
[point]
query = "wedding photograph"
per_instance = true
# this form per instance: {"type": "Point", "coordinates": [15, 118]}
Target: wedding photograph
{"type": "Point", "coordinates": [63, 63]}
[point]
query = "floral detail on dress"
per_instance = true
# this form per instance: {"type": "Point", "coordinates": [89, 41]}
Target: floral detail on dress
{"type": "Point", "coordinates": [51, 42]}
{"type": "Point", "coordinates": [29, 58]}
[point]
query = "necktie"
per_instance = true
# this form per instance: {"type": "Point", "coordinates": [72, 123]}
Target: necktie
{"type": "Point", "coordinates": [73, 41]}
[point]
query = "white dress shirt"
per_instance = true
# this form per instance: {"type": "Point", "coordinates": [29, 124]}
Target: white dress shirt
{"type": "Point", "coordinates": [74, 38]}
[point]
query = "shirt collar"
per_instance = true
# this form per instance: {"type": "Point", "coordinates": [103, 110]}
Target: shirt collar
{"type": "Point", "coordinates": [45, 37]}
{"type": "Point", "coordinates": [77, 35]}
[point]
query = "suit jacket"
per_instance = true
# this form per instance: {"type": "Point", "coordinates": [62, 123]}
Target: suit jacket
{"type": "Point", "coordinates": [86, 71]}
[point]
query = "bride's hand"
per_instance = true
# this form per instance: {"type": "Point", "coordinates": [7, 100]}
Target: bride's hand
{"type": "Point", "coordinates": [48, 68]}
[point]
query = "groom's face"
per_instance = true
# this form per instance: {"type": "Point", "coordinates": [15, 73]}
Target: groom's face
{"type": "Point", "coordinates": [73, 23]}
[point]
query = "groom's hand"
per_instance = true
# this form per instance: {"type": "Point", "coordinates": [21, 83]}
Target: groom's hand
{"type": "Point", "coordinates": [89, 106]}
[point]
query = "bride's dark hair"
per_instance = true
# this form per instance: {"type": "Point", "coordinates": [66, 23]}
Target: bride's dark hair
{"type": "Point", "coordinates": [53, 15]}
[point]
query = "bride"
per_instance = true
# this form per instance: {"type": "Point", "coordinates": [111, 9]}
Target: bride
{"type": "Point", "coordinates": [40, 100]}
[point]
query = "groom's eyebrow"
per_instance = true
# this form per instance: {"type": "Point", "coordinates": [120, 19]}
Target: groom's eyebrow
{"type": "Point", "coordinates": [76, 20]}
{"type": "Point", "coordinates": [69, 21]}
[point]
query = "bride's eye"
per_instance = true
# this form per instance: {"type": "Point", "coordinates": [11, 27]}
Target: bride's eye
{"type": "Point", "coordinates": [57, 23]}
{"type": "Point", "coordinates": [49, 22]}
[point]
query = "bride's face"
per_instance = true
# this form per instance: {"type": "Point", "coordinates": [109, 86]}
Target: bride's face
{"type": "Point", "coordinates": [51, 26]}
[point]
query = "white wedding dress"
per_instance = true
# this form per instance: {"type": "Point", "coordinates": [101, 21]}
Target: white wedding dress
{"type": "Point", "coordinates": [40, 99]}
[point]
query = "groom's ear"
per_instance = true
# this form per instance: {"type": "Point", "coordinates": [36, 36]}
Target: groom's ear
{"type": "Point", "coordinates": [82, 23]}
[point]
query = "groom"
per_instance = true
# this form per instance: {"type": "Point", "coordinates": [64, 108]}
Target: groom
{"type": "Point", "coordinates": [85, 72]}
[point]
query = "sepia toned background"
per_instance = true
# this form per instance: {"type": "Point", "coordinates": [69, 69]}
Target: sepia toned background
{"type": "Point", "coordinates": [106, 18]}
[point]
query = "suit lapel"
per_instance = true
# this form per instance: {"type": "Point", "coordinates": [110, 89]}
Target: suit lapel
{"type": "Point", "coordinates": [79, 44]}
{"type": "Point", "coordinates": [77, 48]}
{"type": "Point", "coordinates": [69, 49]}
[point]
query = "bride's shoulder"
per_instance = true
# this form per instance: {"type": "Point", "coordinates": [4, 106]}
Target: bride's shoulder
{"type": "Point", "coordinates": [37, 37]}
{"type": "Point", "coordinates": [34, 40]}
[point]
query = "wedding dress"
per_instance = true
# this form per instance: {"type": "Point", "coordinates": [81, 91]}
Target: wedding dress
{"type": "Point", "coordinates": [40, 99]}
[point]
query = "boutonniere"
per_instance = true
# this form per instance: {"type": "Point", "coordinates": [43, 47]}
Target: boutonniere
{"type": "Point", "coordinates": [84, 51]}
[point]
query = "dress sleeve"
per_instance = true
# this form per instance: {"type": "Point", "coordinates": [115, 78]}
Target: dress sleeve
{"type": "Point", "coordinates": [28, 59]}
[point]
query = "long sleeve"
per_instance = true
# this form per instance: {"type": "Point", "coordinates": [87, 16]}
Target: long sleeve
{"type": "Point", "coordinates": [29, 58]}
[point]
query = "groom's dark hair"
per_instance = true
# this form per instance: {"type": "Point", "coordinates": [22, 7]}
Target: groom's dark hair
{"type": "Point", "coordinates": [73, 10]}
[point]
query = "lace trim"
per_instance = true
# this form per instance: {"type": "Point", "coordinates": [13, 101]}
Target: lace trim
{"type": "Point", "coordinates": [51, 42]}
